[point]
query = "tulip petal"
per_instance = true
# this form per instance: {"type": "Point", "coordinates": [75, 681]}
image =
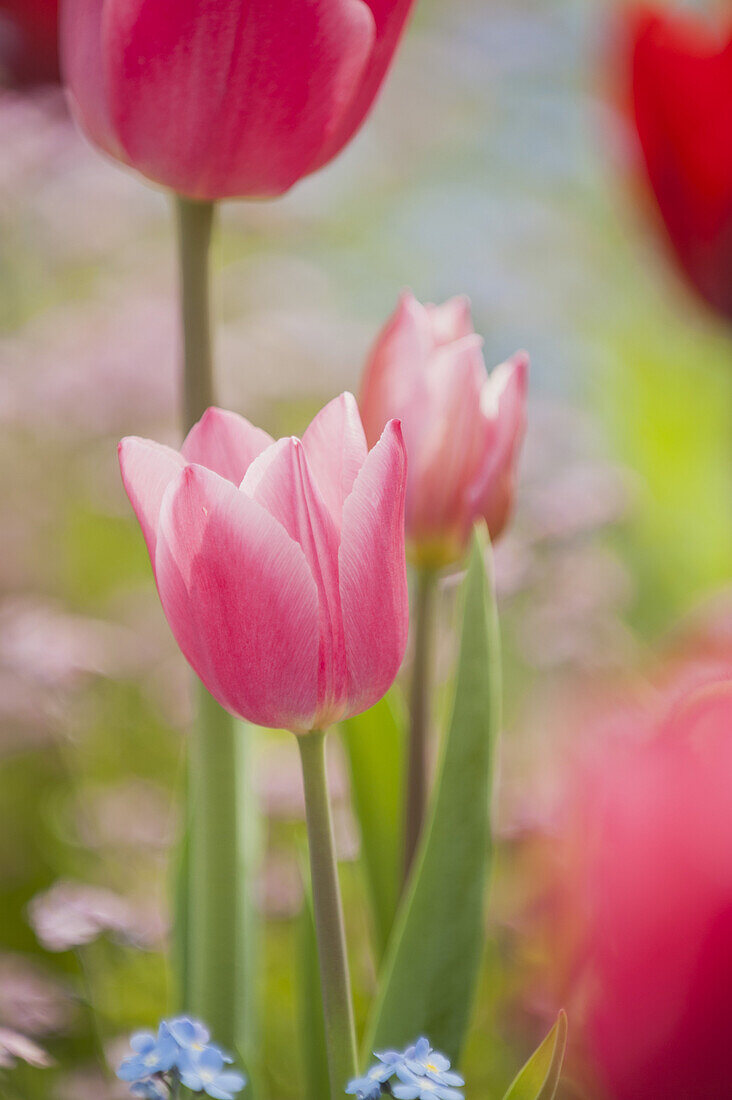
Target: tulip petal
{"type": "Point", "coordinates": [447, 440]}
{"type": "Point", "coordinates": [390, 17]}
{"type": "Point", "coordinates": [393, 382]}
{"type": "Point", "coordinates": [504, 400]}
{"type": "Point", "coordinates": [373, 576]}
{"type": "Point", "coordinates": [336, 450]}
{"type": "Point", "coordinates": [82, 63]}
{"type": "Point", "coordinates": [240, 600]}
{"type": "Point", "coordinates": [451, 320]}
{"type": "Point", "coordinates": [147, 470]}
{"type": "Point", "coordinates": [218, 98]}
{"type": "Point", "coordinates": [225, 443]}
{"type": "Point", "coordinates": [281, 481]}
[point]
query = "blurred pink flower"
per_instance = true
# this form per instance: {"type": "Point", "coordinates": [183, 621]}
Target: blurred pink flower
{"type": "Point", "coordinates": [462, 427]}
{"type": "Point", "coordinates": [15, 1047]}
{"type": "Point", "coordinates": [91, 372]}
{"type": "Point", "coordinates": [30, 1000]}
{"type": "Point", "coordinates": [72, 914]}
{"type": "Point", "coordinates": [279, 565]}
{"type": "Point", "coordinates": [643, 911]}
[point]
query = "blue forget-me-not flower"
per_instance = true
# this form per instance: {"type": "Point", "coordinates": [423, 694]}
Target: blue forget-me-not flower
{"type": "Point", "coordinates": [421, 1074]}
{"type": "Point", "coordinates": [152, 1054]}
{"type": "Point", "coordinates": [180, 1052]}
{"type": "Point", "coordinates": [206, 1072]}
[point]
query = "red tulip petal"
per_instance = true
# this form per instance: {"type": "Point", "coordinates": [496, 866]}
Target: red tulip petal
{"type": "Point", "coordinates": [390, 17]}
{"type": "Point", "coordinates": [82, 64]}
{"type": "Point", "coordinates": [218, 98]}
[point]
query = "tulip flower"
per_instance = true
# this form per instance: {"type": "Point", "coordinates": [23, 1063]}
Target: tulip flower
{"type": "Point", "coordinates": [462, 427]}
{"type": "Point", "coordinates": [647, 888]}
{"type": "Point", "coordinates": [463, 430]}
{"type": "Point", "coordinates": [280, 565]}
{"type": "Point", "coordinates": [226, 98]}
{"type": "Point", "coordinates": [681, 85]}
{"type": "Point", "coordinates": [29, 41]}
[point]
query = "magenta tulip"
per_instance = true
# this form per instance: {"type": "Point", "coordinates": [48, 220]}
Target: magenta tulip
{"type": "Point", "coordinates": [462, 427]}
{"type": "Point", "coordinates": [223, 98]}
{"type": "Point", "coordinates": [280, 565]}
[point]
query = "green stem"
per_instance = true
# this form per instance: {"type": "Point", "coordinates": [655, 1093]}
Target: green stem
{"type": "Point", "coordinates": [340, 1032]}
{"type": "Point", "coordinates": [195, 224]}
{"type": "Point", "coordinates": [415, 799]}
{"type": "Point", "coordinates": [213, 968]}
{"type": "Point", "coordinates": [216, 919]}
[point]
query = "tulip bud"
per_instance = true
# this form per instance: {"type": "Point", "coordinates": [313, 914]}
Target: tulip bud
{"type": "Point", "coordinates": [462, 427]}
{"type": "Point", "coordinates": [28, 41]}
{"type": "Point", "coordinates": [226, 98]}
{"type": "Point", "coordinates": [280, 565]}
{"type": "Point", "coordinates": [680, 79]}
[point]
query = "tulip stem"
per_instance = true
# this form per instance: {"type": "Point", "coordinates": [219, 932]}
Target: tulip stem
{"type": "Point", "coordinates": [417, 765]}
{"type": "Point", "coordinates": [213, 990]}
{"type": "Point", "coordinates": [217, 926]}
{"type": "Point", "coordinates": [195, 224]}
{"type": "Point", "coordinates": [340, 1032]}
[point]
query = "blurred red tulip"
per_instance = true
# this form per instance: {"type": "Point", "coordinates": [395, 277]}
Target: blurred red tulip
{"type": "Point", "coordinates": [647, 881]}
{"type": "Point", "coordinates": [681, 82]}
{"type": "Point", "coordinates": [227, 98]}
{"type": "Point", "coordinates": [28, 41]}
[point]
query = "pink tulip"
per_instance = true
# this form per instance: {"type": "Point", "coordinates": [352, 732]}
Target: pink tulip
{"type": "Point", "coordinates": [225, 98]}
{"type": "Point", "coordinates": [280, 565]}
{"type": "Point", "coordinates": [462, 427]}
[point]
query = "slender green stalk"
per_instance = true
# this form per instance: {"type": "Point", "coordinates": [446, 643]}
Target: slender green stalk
{"type": "Point", "coordinates": [416, 776]}
{"type": "Point", "coordinates": [340, 1032]}
{"type": "Point", "coordinates": [195, 224]}
{"type": "Point", "coordinates": [215, 889]}
{"type": "Point", "coordinates": [217, 927]}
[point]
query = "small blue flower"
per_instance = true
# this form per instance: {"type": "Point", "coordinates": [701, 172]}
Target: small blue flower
{"type": "Point", "coordinates": [205, 1072]}
{"type": "Point", "coordinates": [149, 1090]}
{"type": "Point", "coordinates": [368, 1087]}
{"type": "Point", "coordinates": [152, 1054]}
{"type": "Point", "coordinates": [392, 1059]}
{"type": "Point", "coordinates": [423, 1061]}
{"type": "Point", "coordinates": [189, 1034]}
{"type": "Point", "coordinates": [413, 1087]}
{"type": "Point", "coordinates": [193, 1038]}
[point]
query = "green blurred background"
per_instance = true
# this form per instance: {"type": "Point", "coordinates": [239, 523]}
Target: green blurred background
{"type": "Point", "coordinates": [495, 166]}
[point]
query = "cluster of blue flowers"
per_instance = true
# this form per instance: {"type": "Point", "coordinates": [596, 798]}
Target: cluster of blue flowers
{"type": "Point", "coordinates": [180, 1053]}
{"type": "Point", "coordinates": [417, 1073]}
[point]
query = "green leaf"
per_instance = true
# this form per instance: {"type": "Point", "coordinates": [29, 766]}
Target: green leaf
{"type": "Point", "coordinates": [539, 1078]}
{"type": "Point", "coordinates": [309, 1002]}
{"type": "Point", "coordinates": [432, 963]}
{"type": "Point", "coordinates": [374, 743]}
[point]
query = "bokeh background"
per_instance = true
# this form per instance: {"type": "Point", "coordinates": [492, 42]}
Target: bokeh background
{"type": "Point", "coordinates": [496, 164]}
